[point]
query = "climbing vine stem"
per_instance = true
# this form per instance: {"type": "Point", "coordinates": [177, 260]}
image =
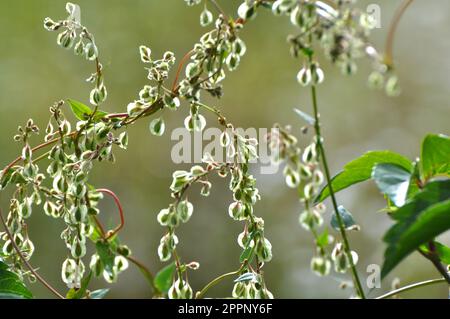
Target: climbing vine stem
{"type": "Point", "coordinates": [356, 280]}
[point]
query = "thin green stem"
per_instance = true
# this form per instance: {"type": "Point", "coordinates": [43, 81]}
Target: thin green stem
{"type": "Point", "coordinates": [347, 249]}
{"type": "Point", "coordinates": [214, 282]}
{"type": "Point", "coordinates": [218, 8]}
{"type": "Point", "coordinates": [147, 274]}
{"type": "Point", "coordinates": [411, 287]}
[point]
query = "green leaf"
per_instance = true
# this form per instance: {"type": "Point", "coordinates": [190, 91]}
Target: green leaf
{"type": "Point", "coordinates": [360, 170]}
{"type": "Point", "coordinates": [441, 250]}
{"type": "Point", "coordinates": [164, 278]}
{"type": "Point", "coordinates": [83, 112]}
{"type": "Point", "coordinates": [79, 293]}
{"type": "Point", "coordinates": [80, 110]}
{"type": "Point", "coordinates": [106, 255]}
{"type": "Point", "coordinates": [308, 118]}
{"type": "Point", "coordinates": [323, 239]}
{"type": "Point", "coordinates": [5, 178]}
{"type": "Point", "coordinates": [99, 294]}
{"type": "Point", "coordinates": [423, 218]}
{"type": "Point", "coordinates": [246, 254]}
{"type": "Point", "coordinates": [346, 218]}
{"type": "Point", "coordinates": [435, 156]}
{"type": "Point", "coordinates": [249, 276]}
{"type": "Point", "coordinates": [11, 286]}
{"type": "Point", "coordinates": [393, 181]}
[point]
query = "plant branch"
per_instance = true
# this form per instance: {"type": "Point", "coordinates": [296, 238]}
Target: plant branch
{"type": "Point", "coordinates": [147, 274]}
{"type": "Point", "coordinates": [26, 262]}
{"type": "Point", "coordinates": [218, 8]}
{"type": "Point", "coordinates": [410, 287]}
{"type": "Point", "coordinates": [321, 148]}
{"type": "Point", "coordinates": [119, 206]}
{"type": "Point", "coordinates": [436, 261]}
{"type": "Point", "coordinates": [389, 56]}
{"type": "Point", "coordinates": [180, 68]}
{"type": "Point", "coordinates": [214, 282]}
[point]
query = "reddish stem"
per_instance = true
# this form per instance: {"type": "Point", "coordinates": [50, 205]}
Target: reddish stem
{"type": "Point", "coordinates": [119, 206]}
{"type": "Point", "coordinates": [180, 68]}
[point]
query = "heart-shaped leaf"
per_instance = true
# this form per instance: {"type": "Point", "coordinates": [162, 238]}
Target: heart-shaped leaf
{"type": "Point", "coordinates": [423, 218]}
{"type": "Point", "coordinates": [360, 170]}
{"type": "Point", "coordinates": [11, 286]}
{"type": "Point", "coordinates": [164, 278]}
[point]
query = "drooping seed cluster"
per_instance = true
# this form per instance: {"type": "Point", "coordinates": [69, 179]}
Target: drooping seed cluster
{"type": "Point", "coordinates": [28, 180]}
{"type": "Point", "coordinates": [154, 96]}
{"type": "Point", "coordinates": [75, 35]}
{"type": "Point", "coordinates": [256, 248]}
{"type": "Point", "coordinates": [338, 28]}
{"type": "Point", "coordinates": [62, 188]}
{"type": "Point", "coordinates": [302, 172]}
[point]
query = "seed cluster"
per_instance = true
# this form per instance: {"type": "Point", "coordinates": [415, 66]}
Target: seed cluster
{"type": "Point", "coordinates": [338, 28]}
{"type": "Point", "coordinates": [302, 172]}
{"type": "Point", "coordinates": [63, 188]}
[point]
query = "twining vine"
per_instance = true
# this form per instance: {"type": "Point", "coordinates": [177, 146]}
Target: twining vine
{"type": "Point", "coordinates": [61, 187]}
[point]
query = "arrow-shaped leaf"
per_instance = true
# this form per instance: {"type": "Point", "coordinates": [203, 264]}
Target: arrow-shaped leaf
{"type": "Point", "coordinates": [83, 112]}
{"type": "Point", "coordinates": [164, 278]}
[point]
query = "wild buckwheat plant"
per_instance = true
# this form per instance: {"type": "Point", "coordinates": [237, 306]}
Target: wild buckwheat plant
{"type": "Point", "coordinates": [53, 177]}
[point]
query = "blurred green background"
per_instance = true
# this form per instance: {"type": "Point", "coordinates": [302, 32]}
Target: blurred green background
{"type": "Point", "coordinates": [34, 73]}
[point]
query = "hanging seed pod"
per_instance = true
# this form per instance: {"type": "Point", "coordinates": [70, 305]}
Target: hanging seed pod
{"type": "Point", "coordinates": [25, 209]}
{"type": "Point", "coordinates": [206, 17]}
{"type": "Point", "coordinates": [180, 289]}
{"type": "Point", "coordinates": [292, 176]}
{"type": "Point", "coordinates": [321, 266]}
{"type": "Point", "coordinates": [239, 47]}
{"type": "Point", "coordinates": [66, 38]}
{"type": "Point", "coordinates": [310, 220]}
{"type": "Point", "coordinates": [172, 103]}
{"type": "Point", "coordinates": [264, 250]}
{"type": "Point", "coordinates": [232, 61]}
{"type": "Point", "coordinates": [79, 48]}
{"type": "Point", "coordinates": [90, 51]}
{"type": "Point", "coordinates": [246, 12]}
{"type": "Point", "coordinates": [78, 248]}
{"type": "Point", "coordinates": [317, 74]}
{"type": "Point", "coordinates": [78, 213]}
{"type": "Point", "coordinates": [304, 76]}
{"type": "Point", "coordinates": [68, 270]}
{"type": "Point", "coordinates": [236, 211]}
{"type": "Point", "coordinates": [145, 54]}
{"type": "Point", "coordinates": [185, 210]}
{"type": "Point", "coordinates": [340, 259]}
{"type": "Point", "coordinates": [239, 290]}
{"type": "Point", "coordinates": [120, 263]}
{"type": "Point", "coordinates": [157, 127]}
{"type": "Point", "coordinates": [376, 80]}
{"type": "Point", "coordinates": [50, 25]}
{"type": "Point", "coordinates": [393, 87]}
{"type": "Point", "coordinates": [164, 216]}
{"type": "Point", "coordinates": [96, 265]}
{"type": "Point", "coordinates": [98, 95]}
{"type": "Point", "coordinates": [243, 240]}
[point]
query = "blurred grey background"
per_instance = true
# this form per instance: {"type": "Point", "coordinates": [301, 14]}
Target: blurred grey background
{"type": "Point", "coordinates": [34, 73]}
